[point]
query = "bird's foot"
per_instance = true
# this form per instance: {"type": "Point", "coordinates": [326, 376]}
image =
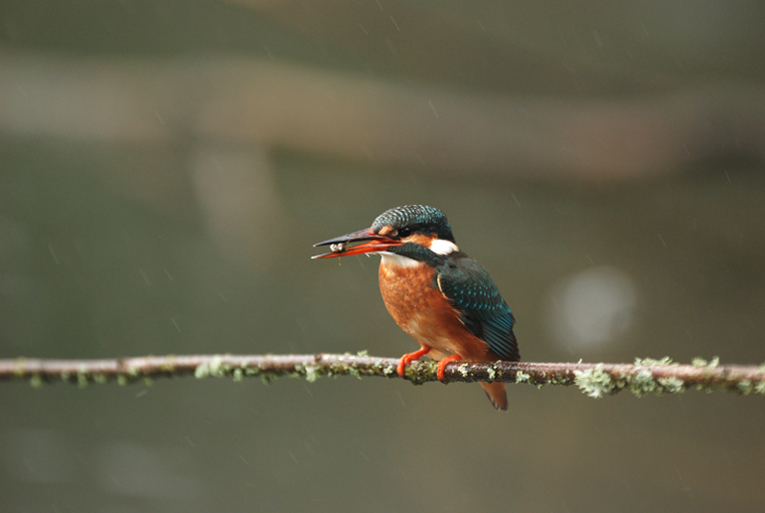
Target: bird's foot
{"type": "Point", "coordinates": [410, 357]}
{"type": "Point", "coordinates": [442, 364]}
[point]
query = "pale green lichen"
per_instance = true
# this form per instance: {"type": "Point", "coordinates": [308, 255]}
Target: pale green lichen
{"type": "Point", "coordinates": [385, 369]}
{"type": "Point", "coordinates": [652, 362]}
{"type": "Point", "coordinates": [100, 378]}
{"type": "Point", "coordinates": [19, 368]}
{"type": "Point", "coordinates": [463, 370]}
{"type": "Point", "coordinates": [363, 352]}
{"type": "Point", "coordinates": [641, 383]}
{"type": "Point", "coordinates": [168, 365]}
{"type": "Point", "coordinates": [759, 388]}
{"type": "Point", "coordinates": [672, 384]}
{"type": "Point", "coordinates": [701, 362]}
{"type": "Point", "coordinates": [745, 387]}
{"type": "Point", "coordinates": [521, 377]}
{"type": "Point", "coordinates": [251, 371]}
{"type": "Point", "coordinates": [122, 380]}
{"type": "Point", "coordinates": [202, 371]}
{"type": "Point", "coordinates": [420, 372]}
{"type": "Point", "coordinates": [491, 373]}
{"type": "Point", "coordinates": [336, 369]}
{"type": "Point", "coordinates": [237, 375]}
{"type": "Point", "coordinates": [556, 379]}
{"type": "Point", "coordinates": [594, 382]}
{"type": "Point", "coordinates": [83, 378]}
{"type": "Point", "coordinates": [215, 367]}
{"type": "Point", "coordinates": [36, 381]}
{"type": "Point", "coordinates": [311, 373]}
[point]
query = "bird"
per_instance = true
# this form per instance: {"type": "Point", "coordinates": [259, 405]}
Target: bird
{"type": "Point", "coordinates": [435, 292]}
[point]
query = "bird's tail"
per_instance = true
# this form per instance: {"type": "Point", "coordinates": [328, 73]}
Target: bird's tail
{"type": "Point", "coordinates": [497, 395]}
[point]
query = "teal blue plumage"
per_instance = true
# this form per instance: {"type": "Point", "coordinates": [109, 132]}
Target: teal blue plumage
{"type": "Point", "coordinates": [474, 295]}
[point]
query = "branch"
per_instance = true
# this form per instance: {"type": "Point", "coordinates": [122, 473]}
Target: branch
{"type": "Point", "coordinates": [594, 379]}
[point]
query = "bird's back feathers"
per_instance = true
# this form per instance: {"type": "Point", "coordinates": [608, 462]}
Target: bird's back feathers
{"type": "Point", "coordinates": [476, 298]}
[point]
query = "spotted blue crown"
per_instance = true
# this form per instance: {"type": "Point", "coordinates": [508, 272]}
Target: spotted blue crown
{"type": "Point", "coordinates": [418, 219]}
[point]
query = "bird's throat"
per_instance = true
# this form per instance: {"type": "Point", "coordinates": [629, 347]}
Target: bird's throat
{"type": "Point", "coordinates": [393, 261]}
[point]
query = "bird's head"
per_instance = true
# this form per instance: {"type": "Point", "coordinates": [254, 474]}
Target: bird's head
{"type": "Point", "coordinates": [404, 231]}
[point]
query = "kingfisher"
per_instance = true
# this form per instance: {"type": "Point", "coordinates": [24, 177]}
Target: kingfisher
{"type": "Point", "coordinates": [436, 293]}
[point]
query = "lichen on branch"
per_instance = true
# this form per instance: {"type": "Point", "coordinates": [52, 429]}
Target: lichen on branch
{"type": "Point", "coordinates": [645, 376]}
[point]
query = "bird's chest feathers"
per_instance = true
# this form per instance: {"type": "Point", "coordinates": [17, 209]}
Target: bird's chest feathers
{"type": "Point", "coordinates": [414, 301]}
{"type": "Point", "coordinates": [408, 290]}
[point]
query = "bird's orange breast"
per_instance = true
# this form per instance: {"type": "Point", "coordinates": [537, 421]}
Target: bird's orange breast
{"type": "Point", "coordinates": [413, 299]}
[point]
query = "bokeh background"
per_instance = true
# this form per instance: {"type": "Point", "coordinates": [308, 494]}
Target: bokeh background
{"type": "Point", "coordinates": [165, 167]}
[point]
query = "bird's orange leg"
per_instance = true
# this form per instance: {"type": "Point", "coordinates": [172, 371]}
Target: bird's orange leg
{"type": "Point", "coordinates": [410, 357]}
{"type": "Point", "coordinates": [442, 364]}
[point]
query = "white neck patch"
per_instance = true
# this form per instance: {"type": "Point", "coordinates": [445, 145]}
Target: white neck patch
{"type": "Point", "coordinates": [394, 260]}
{"type": "Point", "coordinates": [443, 247]}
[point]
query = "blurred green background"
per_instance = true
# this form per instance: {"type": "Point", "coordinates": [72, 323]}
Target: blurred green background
{"type": "Point", "coordinates": [166, 166]}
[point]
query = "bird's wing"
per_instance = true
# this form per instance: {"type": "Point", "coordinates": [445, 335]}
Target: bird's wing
{"type": "Point", "coordinates": [473, 294]}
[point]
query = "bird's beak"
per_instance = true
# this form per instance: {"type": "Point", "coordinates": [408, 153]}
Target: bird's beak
{"type": "Point", "coordinates": [372, 243]}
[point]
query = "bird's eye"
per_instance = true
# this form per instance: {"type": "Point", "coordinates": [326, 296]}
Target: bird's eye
{"type": "Point", "coordinates": [404, 232]}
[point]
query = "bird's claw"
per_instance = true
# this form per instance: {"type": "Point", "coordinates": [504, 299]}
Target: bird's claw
{"type": "Point", "coordinates": [441, 367]}
{"type": "Point", "coordinates": [408, 358]}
